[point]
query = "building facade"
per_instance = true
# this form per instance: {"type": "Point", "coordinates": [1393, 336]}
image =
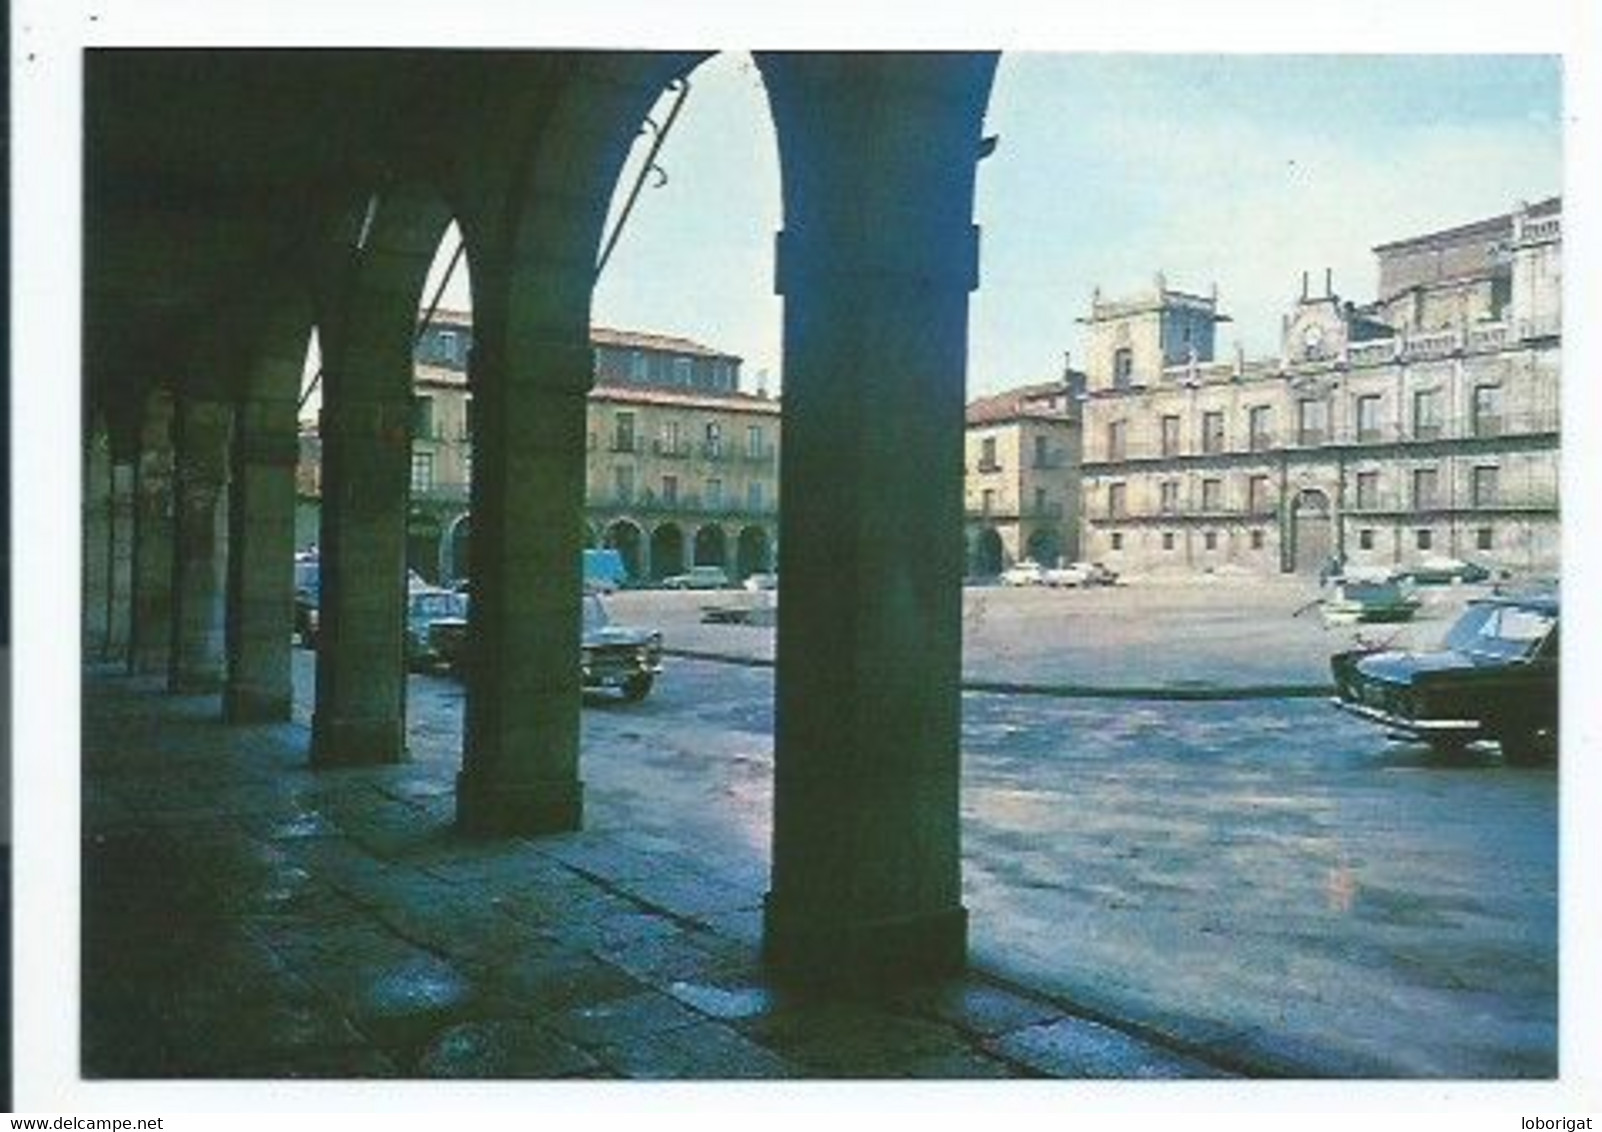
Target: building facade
{"type": "Point", "coordinates": [681, 468]}
{"type": "Point", "coordinates": [1021, 487]}
{"type": "Point", "coordinates": [1423, 424]}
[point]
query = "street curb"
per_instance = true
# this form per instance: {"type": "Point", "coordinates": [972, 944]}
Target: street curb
{"type": "Point", "coordinates": [1180, 693]}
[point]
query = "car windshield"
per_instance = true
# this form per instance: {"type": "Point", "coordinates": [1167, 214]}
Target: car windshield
{"type": "Point", "coordinates": [1507, 632]}
{"type": "Point", "coordinates": [594, 613]}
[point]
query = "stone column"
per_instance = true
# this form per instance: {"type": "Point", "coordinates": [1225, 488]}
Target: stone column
{"type": "Point", "coordinates": [119, 559]}
{"type": "Point", "coordinates": [360, 716]}
{"type": "Point", "coordinates": [875, 264]}
{"type": "Point", "coordinates": [200, 544]}
{"type": "Point", "coordinates": [261, 540]}
{"type": "Point", "coordinates": [521, 741]}
{"type": "Point", "coordinates": [150, 642]}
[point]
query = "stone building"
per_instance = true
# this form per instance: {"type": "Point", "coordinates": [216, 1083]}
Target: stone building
{"type": "Point", "coordinates": [681, 465]}
{"type": "Point", "coordinates": [1021, 488]}
{"type": "Point", "coordinates": [1422, 424]}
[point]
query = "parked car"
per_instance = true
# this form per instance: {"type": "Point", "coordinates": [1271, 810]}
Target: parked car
{"type": "Point", "coordinates": [308, 592]}
{"type": "Point", "coordinates": [698, 578]}
{"type": "Point", "coordinates": [1078, 574]}
{"type": "Point", "coordinates": [1438, 570]}
{"type": "Point", "coordinates": [1495, 677]}
{"type": "Point", "coordinates": [1024, 572]}
{"type": "Point", "coordinates": [761, 581]}
{"type": "Point", "coordinates": [1379, 597]}
{"type": "Point", "coordinates": [610, 655]}
{"type": "Point", "coordinates": [435, 620]}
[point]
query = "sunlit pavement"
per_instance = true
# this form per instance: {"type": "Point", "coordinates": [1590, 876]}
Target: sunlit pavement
{"type": "Point", "coordinates": [1156, 889]}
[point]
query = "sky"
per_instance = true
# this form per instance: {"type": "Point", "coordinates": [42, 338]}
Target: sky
{"type": "Point", "coordinates": [1236, 170]}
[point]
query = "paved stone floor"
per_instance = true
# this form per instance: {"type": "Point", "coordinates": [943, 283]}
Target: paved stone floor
{"type": "Point", "coordinates": [247, 917]}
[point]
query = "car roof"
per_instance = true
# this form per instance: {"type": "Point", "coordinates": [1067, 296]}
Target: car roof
{"type": "Point", "coordinates": [1540, 602]}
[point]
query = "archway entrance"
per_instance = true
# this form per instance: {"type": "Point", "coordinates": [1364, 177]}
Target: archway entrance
{"type": "Point", "coordinates": [751, 551]}
{"type": "Point", "coordinates": [667, 551]}
{"type": "Point", "coordinates": [456, 564]}
{"type": "Point", "coordinates": [626, 538]}
{"type": "Point", "coordinates": [1312, 534]}
{"type": "Point", "coordinates": [711, 546]}
{"type": "Point", "coordinates": [1044, 547]}
{"type": "Point", "coordinates": [987, 553]}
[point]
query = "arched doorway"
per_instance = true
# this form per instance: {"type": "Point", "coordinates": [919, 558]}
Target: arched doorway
{"type": "Point", "coordinates": [1044, 547]}
{"type": "Point", "coordinates": [422, 544]}
{"type": "Point", "coordinates": [987, 553]}
{"type": "Point", "coordinates": [667, 551]}
{"type": "Point", "coordinates": [1312, 534]}
{"type": "Point", "coordinates": [711, 546]}
{"type": "Point", "coordinates": [751, 552]}
{"type": "Point", "coordinates": [628, 540]}
{"type": "Point", "coordinates": [455, 564]}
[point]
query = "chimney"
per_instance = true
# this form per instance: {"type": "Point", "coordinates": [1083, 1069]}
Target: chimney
{"type": "Point", "coordinates": [1329, 282]}
{"type": "Point", "coordinates": [1304, 286]}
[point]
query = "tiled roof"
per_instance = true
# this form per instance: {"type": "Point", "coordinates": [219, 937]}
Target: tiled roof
{"type": "Point", "coordinates": [649, 395]}
{"type": "Point", "coordinates": [1025, 401]}
{"type": "Point", "coordinates": [607, 336]}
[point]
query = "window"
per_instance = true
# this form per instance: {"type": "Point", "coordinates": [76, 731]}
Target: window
{"type": "Point", "coordinates": [1210, 540]}
{"type": "Point", "coordinates": [1042, 452]}
{"type": "Point", "coordinates": [1212, 495]}
{"type": "Point", "coordinates": [987, 455]}
{"type": "Point", "coordinates": [1116, 432]}
{"type": "Point", "coordinates": [1040, 501]}
{"type": "Point", "coordinates": [1368, 418]}
{"type": "Point", "coordinates": [1257, 495]}
{"type": "Point", "coordinates": [1367, 490]}
{"type": "Point", "coordinates": [1365, 538]}
{"type": "Point", "coordinates": [1116, 540]}
{"type": "Point", "coordinates": [1312, 420]}
{"type": "Point", "coordinates": [670, 490]}
{"type": "Point", "coordinates": [1168, 501]}
{"type": "Point", "coordinates": [988, 500]}
{"type": "Point", "coordinates": [423, 418]}
{"type": "Point", "coordinates": [623, 483]}
{"type": "Point", "coordinates": [1170, 436]}
{"type": "Point", "coordinates": [1212, 432]}
{"type": "Point", "coordinates": [639, 366]}
{"type": "Point", "coordinates": [447, 345]}
{"type": "Point", "coordinates": [1123, 367]}
{"type": "Point", "coordinates": [683, 372]}
{"type": "Point", "coordinates": [755, 445]}
{"type": "Point", "coordinates": [1424, 538]}
{"type": "Point", "coordinates": [754, 496]}
{"type": "Point", "coordinates": [422, 473]}
{"type": "Point", "coordinates": [467, 419]}
{"type": "Point", "coordinates": [1168, 540]}
{"type": "Point", "coordinates": [1487, 410]}
{"type": "Point", "coordinates": [1427, 414]}
{"type": "Point", "coordinates": [672, 441]}
{"type": "Point", "coordinates": [1115, 499]}
{"type": "Point", "coordinates": [1483, 539]}
{"type": "Point", "coordinates": [1261, 421]}
{"type": "Point", "coordinates": [1257, 539]}
{"type": "Point", "coordinates": [623, 432]}
{"type": "Point", "coordinates": [1426, 484]}
{"type": "Point", "coordinates": [467, 465]}
{"type": "Point", "coordinates": [1486, 485]}
{"type": "Point", "coordinates": [714, 495]}
{"type": "Point", "coordinates": [714, 440]}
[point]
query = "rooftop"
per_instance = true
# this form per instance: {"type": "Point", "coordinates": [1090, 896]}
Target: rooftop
{"type": "Point", "coordinates": [1026, 402]}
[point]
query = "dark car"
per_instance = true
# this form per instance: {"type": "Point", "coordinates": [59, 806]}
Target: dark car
{"type": "Point", "coordinates": [1494, 677]}
{"type": "Point", "coordinates": [610, 655]}
{"type": "Point", "coordinates": [435, 618]}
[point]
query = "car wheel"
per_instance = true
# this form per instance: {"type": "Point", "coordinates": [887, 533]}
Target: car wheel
{"type": "Point", "coordinates": [636, 688]}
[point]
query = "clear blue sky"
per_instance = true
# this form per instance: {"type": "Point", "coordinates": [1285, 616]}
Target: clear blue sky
{"type": "Point", "coordinates": [1244, 170]}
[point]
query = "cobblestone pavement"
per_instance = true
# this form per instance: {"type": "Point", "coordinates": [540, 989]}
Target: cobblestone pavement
{"type": "Point", "coordinates": [1156, 890]}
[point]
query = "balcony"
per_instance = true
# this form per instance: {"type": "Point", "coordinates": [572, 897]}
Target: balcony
{"type": "Point", "coordinates": [671, 450]}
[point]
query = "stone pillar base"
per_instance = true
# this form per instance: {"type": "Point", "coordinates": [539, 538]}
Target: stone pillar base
{"type": "Point", "coordinates": [255, 705]}
{"type": "Point", "coordinates": [502, 809]}
{"type": "Point", "coordinates": [805, 949]}
{"type": "Point", "coordinates": [356, 742]}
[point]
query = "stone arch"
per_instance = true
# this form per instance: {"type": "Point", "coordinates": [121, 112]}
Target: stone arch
{"type": "Point", "coordinates": [753, 552]}
{"type": "Point", "coordinates": [711, 545]}
{"type": "Point", "coordinates": [989, 556]}
{"type": "Point", "coordinates": [626, 537]}
{"type": "Point", "coordinates": [667, 550]}
{"type": "Point", "coordinates": [455, 548]}
{"type": "Point", "coordinates": [1044, 546]}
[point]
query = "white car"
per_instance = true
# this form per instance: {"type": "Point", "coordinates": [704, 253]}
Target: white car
{"type": "Point", "coordinates": [1024, 573]}
{"type": "Point", "coordinates": [1080, 574]}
